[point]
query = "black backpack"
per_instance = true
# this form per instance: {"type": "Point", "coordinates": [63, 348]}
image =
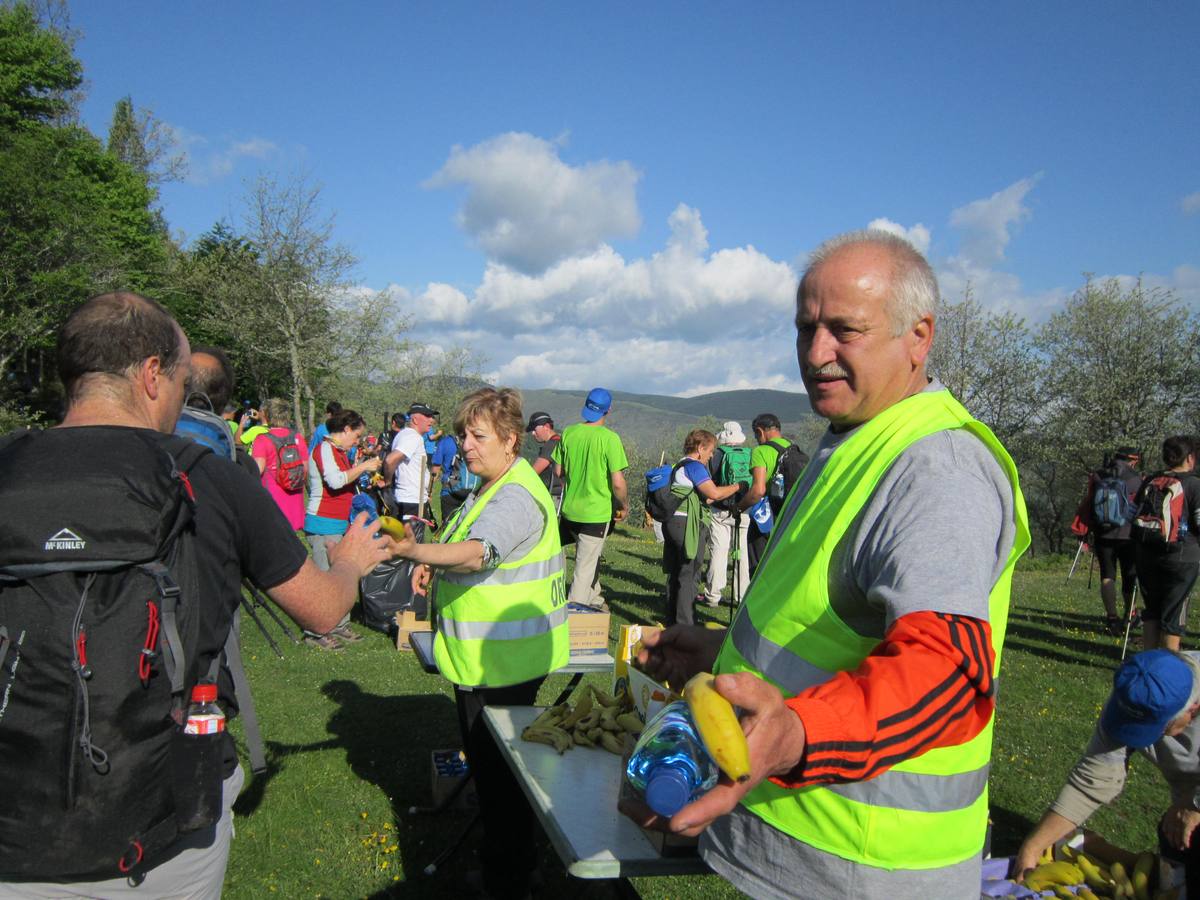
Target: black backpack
{"type": "Point", "coordinates": [791, 462]}
{"type": "Point", "coordinates": [100, 613]}
{"type": "Point", "coordinates": [661, 501]}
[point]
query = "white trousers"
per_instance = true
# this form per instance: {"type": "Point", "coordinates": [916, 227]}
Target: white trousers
{"type": "Point", "coordinates": [720, 537]}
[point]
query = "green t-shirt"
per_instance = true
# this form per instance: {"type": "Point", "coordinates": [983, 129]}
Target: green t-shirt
{"type": "Point", "coordinates": [764, 457]}
{"type": "Point", "coordinates": [588, 454]}
{"type": "Point", "coordinates": [251, 433]}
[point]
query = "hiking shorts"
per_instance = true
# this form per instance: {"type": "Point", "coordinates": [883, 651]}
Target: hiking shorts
{"type": "Point", "coordinates": [1166, 581]}
{"type": "Point", "coordinates": [1110, 554]}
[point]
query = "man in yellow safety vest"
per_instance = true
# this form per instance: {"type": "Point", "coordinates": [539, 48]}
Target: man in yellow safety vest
{"type": "Point", "coordinates": [865, 654]}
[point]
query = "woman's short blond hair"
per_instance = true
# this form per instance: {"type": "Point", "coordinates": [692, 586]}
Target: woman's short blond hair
{"type": "Point", "coordinates": [697, 438]}
{"type": "Point", "coordinates": [499, 408]}
{"type": "Point", "coordinates": [279, 412]}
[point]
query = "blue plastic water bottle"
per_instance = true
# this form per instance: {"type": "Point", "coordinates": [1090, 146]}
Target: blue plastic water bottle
{"type": "Point", "coordinates": [669, 765]}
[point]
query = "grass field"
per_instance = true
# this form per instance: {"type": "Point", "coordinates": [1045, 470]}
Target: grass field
{"type": "Point", "coordinates": [349, 737]}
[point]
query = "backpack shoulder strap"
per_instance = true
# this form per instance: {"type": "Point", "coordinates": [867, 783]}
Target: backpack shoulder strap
{"type": "Point", "coordinates": [245, 699]}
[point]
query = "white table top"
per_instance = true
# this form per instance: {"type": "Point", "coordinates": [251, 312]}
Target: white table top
{"type": "Point", "coordinates": [422, 643]}
{"type": "Point", "coordinates": [575, 798]}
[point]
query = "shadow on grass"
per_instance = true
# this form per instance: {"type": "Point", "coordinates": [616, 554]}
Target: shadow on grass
{"type": "Point", "coordinates": [387, 740]}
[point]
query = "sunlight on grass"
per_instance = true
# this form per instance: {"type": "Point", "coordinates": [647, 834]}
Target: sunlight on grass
{"type": "Point", "coordinates": [350, 735]}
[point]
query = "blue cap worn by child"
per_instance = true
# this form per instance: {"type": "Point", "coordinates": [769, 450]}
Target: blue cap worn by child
{"type": "Point", "coordinates": [1149, 690]}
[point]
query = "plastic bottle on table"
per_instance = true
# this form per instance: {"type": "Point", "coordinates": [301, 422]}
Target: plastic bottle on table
{"type": "Point", "coordinates": [204, 716]}
{"type": "Point", "coordinates": [669, 765]}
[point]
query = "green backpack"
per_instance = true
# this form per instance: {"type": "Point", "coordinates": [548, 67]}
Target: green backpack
{"type": "Point", "coordinates": [735, 466]}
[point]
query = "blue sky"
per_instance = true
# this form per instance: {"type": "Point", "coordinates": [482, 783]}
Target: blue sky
{"type": "Point", "coordinates": [623, 194]}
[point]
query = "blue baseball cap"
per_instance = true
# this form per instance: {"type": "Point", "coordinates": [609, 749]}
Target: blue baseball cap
{"type": "Point", "coordinates": [1149, 690]}
{"type": "Point", "coordinates": [597, 405]}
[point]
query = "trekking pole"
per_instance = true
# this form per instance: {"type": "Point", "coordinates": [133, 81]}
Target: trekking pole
{"type": "Point", "coordinates": [1129, 620]}
{"type": "Point", "coordinates": [249, 608]}
{"type": "Point", "coordinates": [736, 557]}
{"type": "Point", "coordinates": [261, 602]}
{"type": "Point", "coordinates": [1076, 562]}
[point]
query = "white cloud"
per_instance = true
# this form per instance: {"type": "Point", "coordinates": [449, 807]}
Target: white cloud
{"type": "Point", "coordinates": [986, 225]}
{"type": "Point", "coordinates": [210, 160]}
{"type": "Point", "coordinates": [527, 209]}
{"type": "Point", "coordinates": [681, 320]}
{"type": "Point", "coordinates": [918, 235]}
{"type": "Point", "coordinates": [1190, 204]}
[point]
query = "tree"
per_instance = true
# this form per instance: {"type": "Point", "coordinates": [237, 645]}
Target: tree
{"type": "Point", "coordinates": [280, 290]}
{"type": "Point", "coordinates": [39, 71]}
{"type": "Point", "coordinates": [989, 363]}
{"type": "Point", "coordinates": [1121, 368]}
{"type": "Point", "coordinates": [145, 144]}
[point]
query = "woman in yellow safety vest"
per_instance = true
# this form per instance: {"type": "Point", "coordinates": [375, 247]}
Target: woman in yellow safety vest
{"type": "Point", "coordinates": [497, 573]}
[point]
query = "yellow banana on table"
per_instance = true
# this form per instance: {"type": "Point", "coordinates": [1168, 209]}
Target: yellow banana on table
{"type": "Point", "coordinates": [718, 725]}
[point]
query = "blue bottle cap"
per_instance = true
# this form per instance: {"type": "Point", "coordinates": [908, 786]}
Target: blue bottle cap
{"type": "Point", "coordinates": [668, 791]}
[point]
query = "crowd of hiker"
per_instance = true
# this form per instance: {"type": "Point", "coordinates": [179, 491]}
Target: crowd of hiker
{"type": "Point", "coordinates": [864, 667]}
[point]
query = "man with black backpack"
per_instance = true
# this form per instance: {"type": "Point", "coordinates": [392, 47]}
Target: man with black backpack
{"type": "Point", "coordinates": [1166, 530]}
{"type": "Point", "coordinates": [1108, 509]}
{"type": "Point", "coordinates": [119, 581]}
{"type": "Point", "coordinates": [775, 465]}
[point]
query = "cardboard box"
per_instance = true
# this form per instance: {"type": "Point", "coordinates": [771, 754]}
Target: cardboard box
{"type": "Point", "coordinates": [448, 770]}
{"type": "Point", "coordinates": [406, 623]}
{"type": "Point", "coordinates": [646, 694]}
{"type": "Point", "coordinates": [589, 631]}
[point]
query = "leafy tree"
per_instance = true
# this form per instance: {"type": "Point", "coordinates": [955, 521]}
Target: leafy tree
{"type": "Point", "coordinates": [280, 292]}
{"type": "Point", "coordinates": [145, 144]}
{"type": "Point", "coordinates": [989, 363]}
{"type": "Point", "coordinates": [1120, 364]}
{"type": "Point", "coordinates": [38, 72]}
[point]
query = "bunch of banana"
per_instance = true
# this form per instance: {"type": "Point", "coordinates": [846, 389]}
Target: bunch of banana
{"type": "Point", "coordinates": [1049, 876]}
{"type": "Point", "coordinates": [1095, 873]}
{"type": "Point", "coordinates": [597, 720]}
{"type": "Point", "coordinates": [719, 727]}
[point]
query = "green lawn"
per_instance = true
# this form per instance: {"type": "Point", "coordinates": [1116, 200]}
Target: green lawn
{"type": "Point", "coordinates": [349, 737]}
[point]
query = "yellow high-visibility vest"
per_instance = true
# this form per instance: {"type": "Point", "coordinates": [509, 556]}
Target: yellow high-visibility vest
{"type": "Point", "coordinates": [926, 812]}
{"type": "Point", "coordinates": [506, 625]}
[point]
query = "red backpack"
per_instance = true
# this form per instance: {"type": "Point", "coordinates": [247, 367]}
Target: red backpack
{"type": "Point", "coordinates": [1160, 510]}
{"type": "Point", "coordinates": [289, 471]}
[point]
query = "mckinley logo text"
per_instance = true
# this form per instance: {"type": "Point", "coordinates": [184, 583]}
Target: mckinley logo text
{"type": "Point", "coordinates": [66, 540]}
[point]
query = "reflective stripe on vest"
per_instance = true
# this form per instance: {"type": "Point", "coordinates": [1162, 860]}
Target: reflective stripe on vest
{"type": "Point", "coordinates": [506, 625]}
{"type": "Point", "coordinates": [925, 812]}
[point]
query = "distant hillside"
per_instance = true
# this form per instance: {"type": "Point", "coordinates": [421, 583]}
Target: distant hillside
{"type": "Point", "coordinates": [647, 419]}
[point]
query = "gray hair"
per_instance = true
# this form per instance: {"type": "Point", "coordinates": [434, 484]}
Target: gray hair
{"type": "Point", "coordinates": [914, 287]}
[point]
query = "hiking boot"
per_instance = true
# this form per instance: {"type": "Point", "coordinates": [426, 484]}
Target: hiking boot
{"type": "Point", "coordinates": [346, 634]}
{"type": "Point", "coordinates": [1114, 626]}
{"type": "Point", "coordinates": [323, 642]}
{"type": "Point", "coordinates": [703, 598]}
{"type": "Point", "coordinates": [1136, 621]}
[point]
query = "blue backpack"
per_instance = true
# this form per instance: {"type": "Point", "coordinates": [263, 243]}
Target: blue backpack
{"type": "Point", "coordinates": [208, 429]}
{"type": "Point", "coordinates": [463, 481]}
{"type": "Point", "coordinates": [1111, 505]}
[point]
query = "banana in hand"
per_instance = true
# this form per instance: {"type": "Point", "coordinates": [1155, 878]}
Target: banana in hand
{"type": "Point", "coordinates": [719, 727]}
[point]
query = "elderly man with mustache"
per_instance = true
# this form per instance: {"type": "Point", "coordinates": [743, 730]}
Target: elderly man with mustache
{"type": "Point", "coordinates": [865, 653]}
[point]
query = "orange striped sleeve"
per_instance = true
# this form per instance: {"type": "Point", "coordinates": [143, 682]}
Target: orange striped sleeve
{"type": "Point", "coordinates": [927, 684]}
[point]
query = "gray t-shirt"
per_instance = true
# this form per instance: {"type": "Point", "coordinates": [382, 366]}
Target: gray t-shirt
{"type": "Point", "coordinates": [935, 536]}
{"type": "Point", "coordinates": [511, 523]}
